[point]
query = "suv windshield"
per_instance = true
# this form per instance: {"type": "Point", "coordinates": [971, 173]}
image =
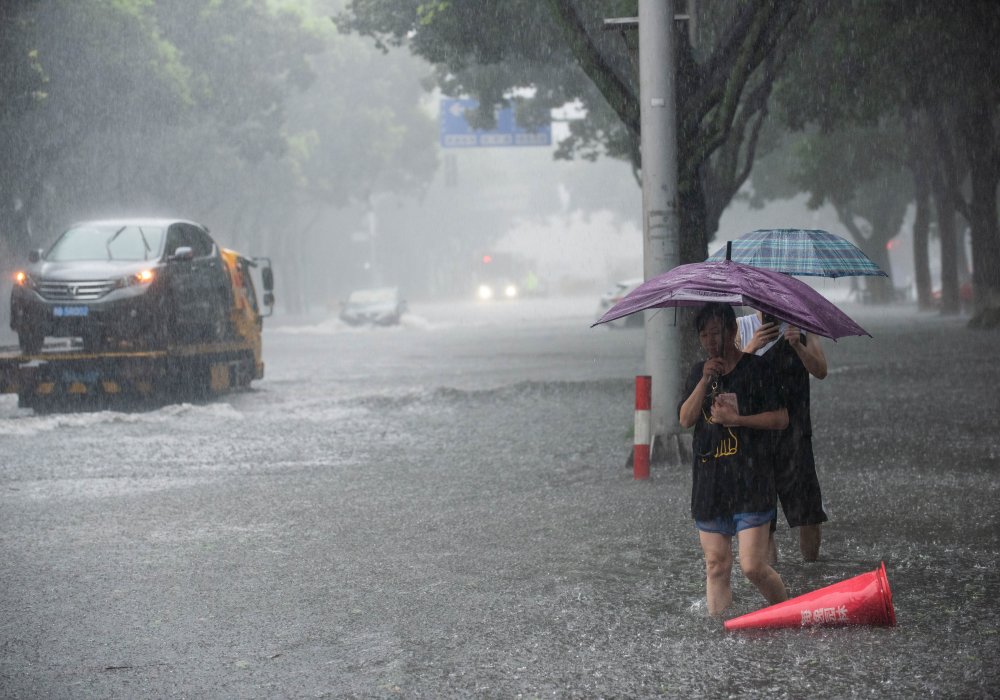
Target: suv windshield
{"type": "Point", "coordinates": [107, 242]}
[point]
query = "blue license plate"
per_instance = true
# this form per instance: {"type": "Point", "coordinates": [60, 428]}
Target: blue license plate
{"type": "Point", "coordinates": [64, 311]}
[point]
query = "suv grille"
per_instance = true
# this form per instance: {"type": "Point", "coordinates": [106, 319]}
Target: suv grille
{"type": "Point", "coordinates": [75, 291]}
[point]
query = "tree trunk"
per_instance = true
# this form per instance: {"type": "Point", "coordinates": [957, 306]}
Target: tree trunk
{"type": "Point", "coordinates": [921, 229]}
{"type": "Point", "coordinates": [878, 290]}
{"type": "Point", "coordinates": [945, 205]}
{"type": "Point", "coordinates": [920, 157]}
{"type": "Point", "coordinates": [984, 170]}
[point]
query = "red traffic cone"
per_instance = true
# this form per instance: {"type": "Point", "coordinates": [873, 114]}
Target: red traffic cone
{"type": "Point", "coordinates": [862, 600]}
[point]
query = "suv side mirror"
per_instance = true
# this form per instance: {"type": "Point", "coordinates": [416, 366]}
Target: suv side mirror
{"type": "Point", "coordinates": [267, 277]}
{"type": "Point", "coordinates": [184, 252]}
{"type": "Point", "coordinates": [35, 255]}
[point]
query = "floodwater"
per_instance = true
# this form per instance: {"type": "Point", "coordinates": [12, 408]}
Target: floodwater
{"type": "Point", "coordinates": [442, 510]}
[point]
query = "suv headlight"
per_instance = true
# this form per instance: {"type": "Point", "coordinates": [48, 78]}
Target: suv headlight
{"type": "Point", "coordinates": [139, 278]}
{"type": "Point", "coordinates": [23, 279]}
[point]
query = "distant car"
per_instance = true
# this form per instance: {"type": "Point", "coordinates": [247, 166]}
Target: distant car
{"type": "Point", "coordinates": [379, 307]}
{"type": "Point", "coordinates": [498, 289]}
{"type": "Point", "coordinates": [611, 297]}
{"type": "Point", "coordinates": [144, 282]}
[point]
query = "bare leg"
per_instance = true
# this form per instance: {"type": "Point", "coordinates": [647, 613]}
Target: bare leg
{"type": "Point", "coordinates": [753, 561]}
{"type": "Point", "coordinates": [809, 539]}
{"type": "Point", "coordinates": [772, 549]}
{"type": "Point", "coordinates": [718, 551]}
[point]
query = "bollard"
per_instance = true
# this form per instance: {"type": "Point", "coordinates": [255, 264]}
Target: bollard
{"type": "Point", "coordinates": [643, 400]}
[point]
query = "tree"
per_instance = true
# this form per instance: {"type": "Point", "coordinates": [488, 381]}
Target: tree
{"type": "Point", "coordinates": [859, 170]}
{"type": "Point", "coordinates": [122, 93]}
{"type": "Point", "coordinates": [253, 116]}
{"type": "Point", "coordinates": [63, 86]}
{"type": "Point", "coordinates": [246, 61]}
{"type": "Point", "coordinates": [926, 64]}
{"type": "Point", "coordinates": [357, 138]}
{"type": "Point", "coordinates": [560, 53]}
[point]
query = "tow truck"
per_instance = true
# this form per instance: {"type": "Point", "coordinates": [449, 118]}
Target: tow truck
{"type": "Point", "coordinates": [64, 377]}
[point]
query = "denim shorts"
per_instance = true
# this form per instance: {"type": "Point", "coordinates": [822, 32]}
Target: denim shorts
{"type": "Point", "coordinates": [731, 524]}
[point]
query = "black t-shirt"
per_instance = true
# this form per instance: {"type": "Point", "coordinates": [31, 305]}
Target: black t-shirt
{"type": "Point", "coordinates": [793, 378]}
{"type": "Point", "coordinates": [733, 470]}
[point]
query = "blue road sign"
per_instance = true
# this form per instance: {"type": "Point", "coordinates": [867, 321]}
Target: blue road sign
{"type": "Point", "coordinates": [456, 132]}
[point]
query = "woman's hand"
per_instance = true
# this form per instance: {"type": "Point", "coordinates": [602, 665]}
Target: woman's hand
{"type": "Point", "coordinates": [691, 408]}
{"type": "Point", "coordinates": [761, 337]}
{"type": "Point", "coordinates": [794, 336]}
{"type": "Point", "coordinates": [724, 413]}
{"type": "Point", "coordinates": [713, 368]}
{"type": "Point", "coordinates": [810, 352]}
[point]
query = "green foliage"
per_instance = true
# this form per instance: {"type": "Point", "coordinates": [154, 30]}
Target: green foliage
{"type": "Point", "coordinates": [498, 66]}
{"type": "Point", "coordinates": [864, 88]}
{"type": "Point", "coordinates": [67, 86]}
{"type": "Point", "coordinates": [872, 59]}
{"type": "Point", "coordinates": [195, 106]}
{"type": "Point", "coordinates": [547, 54]}
{"type": "Point", "coordinates": [242, 38]}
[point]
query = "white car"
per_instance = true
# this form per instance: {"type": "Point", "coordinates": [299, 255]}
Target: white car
{"type": "Point", "coordinates": [376, 307]}
{"type": "Point", "coordinates": [611, 297]}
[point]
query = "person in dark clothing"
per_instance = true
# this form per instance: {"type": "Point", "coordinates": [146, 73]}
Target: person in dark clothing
{"type": "Point", "coordinates": [732, 401]}
{"type": "Point", "coordinates": [793, 356]}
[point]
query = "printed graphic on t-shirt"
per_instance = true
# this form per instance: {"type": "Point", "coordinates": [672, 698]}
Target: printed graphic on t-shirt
{"type": "Point", "coordinates": [725, 442]}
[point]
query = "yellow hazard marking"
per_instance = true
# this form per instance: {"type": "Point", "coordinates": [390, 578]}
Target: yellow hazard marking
{"type": "Point", "coordinates": [111, 387]}
{"type": "Point", "coordinates": [45, 388]}
{"type": "Point", "coordinates": [143, 387]}
{"type": "Point", "coordinates": [219, 379]}
{"type": "Point", "coordinates": [77, 388]}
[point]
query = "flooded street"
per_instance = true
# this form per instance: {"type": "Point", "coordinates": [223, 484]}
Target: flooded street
{"type": "Point", "coordinates": [442, 510]}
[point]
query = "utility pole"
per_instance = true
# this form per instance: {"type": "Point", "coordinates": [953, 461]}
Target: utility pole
{"type": "Point", "coordinates": [660, 221]}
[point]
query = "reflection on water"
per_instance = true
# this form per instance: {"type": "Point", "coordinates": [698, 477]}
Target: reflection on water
{"type": "Point", "coordinates": [430, 537]}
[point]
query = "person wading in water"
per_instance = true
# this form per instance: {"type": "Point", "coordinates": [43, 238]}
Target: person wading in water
{"type": "Point", "coordinates": [732, 401]}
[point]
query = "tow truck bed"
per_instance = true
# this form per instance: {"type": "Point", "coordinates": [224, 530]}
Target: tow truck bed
{"type": "Point", "coordinates": [65, 378]}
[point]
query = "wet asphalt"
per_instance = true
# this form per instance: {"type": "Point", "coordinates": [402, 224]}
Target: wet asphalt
{"type": "Point", "coordinates": [443, 510]}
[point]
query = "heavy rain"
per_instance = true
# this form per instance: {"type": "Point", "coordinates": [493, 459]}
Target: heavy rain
{"type": "Point", "coordinates": [299, 390]}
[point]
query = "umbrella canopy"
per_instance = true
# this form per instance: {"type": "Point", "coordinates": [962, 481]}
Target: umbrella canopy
{"type": "Point", "coordinates": [732, 283]}
{"type": "Point", "coordinates": [800, 252]}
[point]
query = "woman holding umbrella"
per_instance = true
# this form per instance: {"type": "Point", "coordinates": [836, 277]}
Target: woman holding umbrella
{"type": "Point", "coordinates": [731, 402]}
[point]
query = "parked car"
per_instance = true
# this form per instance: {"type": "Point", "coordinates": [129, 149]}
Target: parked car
{"type": "Point", "coordinates": [137, 282]}
{"type": "Point", "coordinates": [380, 307]}
{"type": "Point", "coordinates": [615, 294]}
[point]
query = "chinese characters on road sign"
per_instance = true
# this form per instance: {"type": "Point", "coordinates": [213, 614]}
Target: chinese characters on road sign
{"type": "Point", "coordinates": [456, 132]}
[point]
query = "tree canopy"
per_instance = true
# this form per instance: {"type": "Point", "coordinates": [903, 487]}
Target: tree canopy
{"type": "Point", "coordinates": [548, 54]}
{"type": "Point", "coordinates": [249, 114]}
{"type": "Point", "coordinates": [884, 87]}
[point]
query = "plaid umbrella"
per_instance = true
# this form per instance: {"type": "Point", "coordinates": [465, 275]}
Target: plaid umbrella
{"type": "Point", "coordinates": [800, 252]}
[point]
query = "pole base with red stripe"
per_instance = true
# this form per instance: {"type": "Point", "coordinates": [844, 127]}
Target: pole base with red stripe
{"type": "Point", "coordinates": [643, 431]}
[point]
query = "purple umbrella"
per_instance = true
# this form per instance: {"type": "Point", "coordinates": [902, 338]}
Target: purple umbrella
{"type": "Point", "coordinates": [736, 284]}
